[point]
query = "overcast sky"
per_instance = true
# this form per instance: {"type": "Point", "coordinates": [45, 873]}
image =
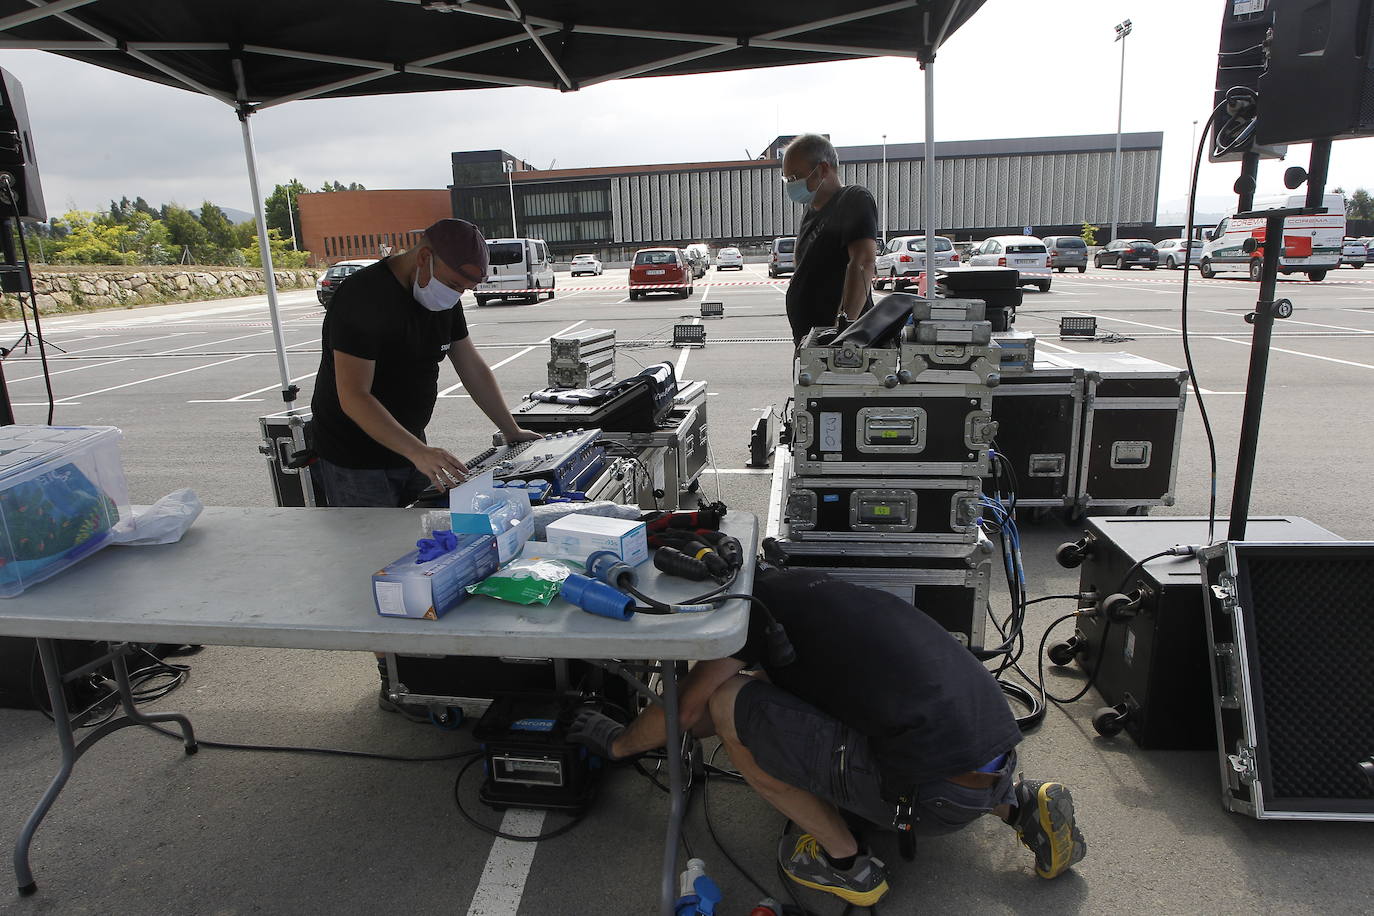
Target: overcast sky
{"type": "Point", "coordinates": [1018, 69]}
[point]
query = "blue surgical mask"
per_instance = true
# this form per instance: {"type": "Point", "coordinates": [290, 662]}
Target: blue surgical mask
{"type": "Point", "coordinates": [437, 296]}
{"type": "Point", "coordinates": [798, 192]}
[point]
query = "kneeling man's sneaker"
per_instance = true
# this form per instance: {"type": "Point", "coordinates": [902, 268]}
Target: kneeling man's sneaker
{"type": "Point", "coordinates": [862, 884]}
{"type": "Point", "coordinates": [1044, 822]}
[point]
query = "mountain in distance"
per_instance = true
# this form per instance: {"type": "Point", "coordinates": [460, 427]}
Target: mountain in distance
{"type": "Point", "coordinates": [237, 216]}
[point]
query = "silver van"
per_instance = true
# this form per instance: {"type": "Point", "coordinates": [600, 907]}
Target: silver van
{"type": "Point", "coordinates": [783, 259]}
{"type": "Point", "coordinates": [1067, 251]}
{"type": "Point", "coordinates": [519, 269]}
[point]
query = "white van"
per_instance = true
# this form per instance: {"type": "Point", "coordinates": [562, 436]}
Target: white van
{"type": "Point", "coordinates": [1311, 244]}
{"type": "Point", "coordinates": [519, 269]}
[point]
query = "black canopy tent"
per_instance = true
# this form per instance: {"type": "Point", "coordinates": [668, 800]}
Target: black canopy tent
{"type": "Point", "coordinates": [256, 55]}
{"type": "Point", "coordinates": [253, 55]}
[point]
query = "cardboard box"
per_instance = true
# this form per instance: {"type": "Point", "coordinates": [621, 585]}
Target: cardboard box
{"type": "Point", "coordinates": [581, 535]}
{"type": "Point", "coordinates": [409, 588]}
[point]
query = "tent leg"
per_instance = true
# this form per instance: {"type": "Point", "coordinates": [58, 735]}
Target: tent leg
{"type": "Point", "coordinates": [928, 67]}
{"type": "Point", "coordinates": [288, 390]}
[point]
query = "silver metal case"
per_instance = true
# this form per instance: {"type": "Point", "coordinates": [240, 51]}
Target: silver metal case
{"type": "Point", "coordinates": [1292, 644]}
{"type": "Point", "coordinates": [845, 364]}
{"type": "Point", "coordinates": [915, 510]}
{"type": "Point", "coordinates": [938, 363]}
{"type": "Point", "coordinates": [283, 434]}
{"type": "Point", "coordinates": [914, 430]}
{"type": "Point", "coordinates": [949, 582]}
{"type": "Point", "coordinates": [976, 333]}
{"type": "Point", "coordinates": [673, 456]}
{"type": "Point", "coordinates": [949, 310]}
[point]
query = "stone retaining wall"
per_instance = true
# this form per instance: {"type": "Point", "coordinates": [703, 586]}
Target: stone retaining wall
{"type": "Point", "coordinates": [89, 288]}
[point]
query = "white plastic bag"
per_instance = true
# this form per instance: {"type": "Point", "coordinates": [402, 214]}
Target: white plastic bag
{"type": "Point", "coordinates": [164, 522]}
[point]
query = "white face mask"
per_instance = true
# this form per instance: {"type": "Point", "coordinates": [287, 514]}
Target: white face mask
{"type": "Point", "coordinates": [437, 296]}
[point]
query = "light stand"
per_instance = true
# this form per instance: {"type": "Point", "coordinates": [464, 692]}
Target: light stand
{"type": "Point", "coordinates": [1264, 322]}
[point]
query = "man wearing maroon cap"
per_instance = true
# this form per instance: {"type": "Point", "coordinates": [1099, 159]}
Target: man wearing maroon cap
{"type": "Point", "coordinates": [387, 329]}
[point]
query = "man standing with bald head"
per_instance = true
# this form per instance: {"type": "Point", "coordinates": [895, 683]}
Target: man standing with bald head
{"type": "Point", "coordinates": [836, 243]}
{"type": "Point", "coordinates": [388, 328]}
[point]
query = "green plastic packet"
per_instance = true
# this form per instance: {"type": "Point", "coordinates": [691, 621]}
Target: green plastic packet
{"type": "Point", "coordinates": [528, 580]}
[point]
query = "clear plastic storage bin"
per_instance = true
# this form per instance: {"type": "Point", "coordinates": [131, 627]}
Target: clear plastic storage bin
{"type": "Point", "coordinates": [62, 493]}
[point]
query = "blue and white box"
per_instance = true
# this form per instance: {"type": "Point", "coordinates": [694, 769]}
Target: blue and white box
{"type": "Point", "coordinates": [428, 590]}
{"type": "Point", "coordinates": [479, 506]}
{"type": "Point", "coordinates": [581, 535]}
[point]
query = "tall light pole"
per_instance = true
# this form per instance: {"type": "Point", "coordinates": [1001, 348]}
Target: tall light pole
{"type": "Point", "coordinates": [509, 165]}
{"type": "Point", "coordinates": [1123, 29]}
{"type": "Point", "coordinates": [883, 186]}
{"type": "Point", "coordinates": [1192, 160]}
{"type": "Point", "coordinates": [291, 214]}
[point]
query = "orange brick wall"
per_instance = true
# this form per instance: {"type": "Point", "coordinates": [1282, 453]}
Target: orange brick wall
{"type": "Point", "coordinates": [343, 225]}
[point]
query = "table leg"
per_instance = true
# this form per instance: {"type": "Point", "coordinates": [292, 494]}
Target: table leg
{"type": "Point", "coordinates": [677, 790]}
{"type": "Point", "coordinates": [126, 699]}
{"type": "Point", "coordinates": [71, 751]}
{"type": "Point", "coordinates": [57, 700]}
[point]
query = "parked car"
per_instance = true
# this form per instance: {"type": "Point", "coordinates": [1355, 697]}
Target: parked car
{"type": "Point", "coordinates": [1123, 254]}
{"type": "Point", "coordinates": [1023, 252]}
{"type": "Point", "coordinates": [1354, 253]}
{"type": "Point", "coordinates": [660, 270]}
{"type": "Point", "coordinates": [520, 268]}
{"type": "Point", "coordinates": [1067, 251]}
{"type": "Point", "coordinates": [329, 281]}
{"type": "Point", "coordinates": [699, 256]}
{"type": "Point", "coordinates": [783, 258]}
{"type": "Point", "coordinates": [904, 258]}
{"type": "Point", "coordinates": [729, 257]}
{"type": "Point", "coordinates": [585, 264]}
{"type": "Point", "coordinates": [1173, 253]}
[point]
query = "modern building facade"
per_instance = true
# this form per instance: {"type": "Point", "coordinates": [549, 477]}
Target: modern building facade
{"type": "Point", "coordinates": [347, 225]}
{"type": "Point", "coordinates": [986, 187]}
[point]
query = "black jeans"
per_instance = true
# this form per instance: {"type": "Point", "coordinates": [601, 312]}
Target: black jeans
{"type": "Point", "coordinates": [389, 488]}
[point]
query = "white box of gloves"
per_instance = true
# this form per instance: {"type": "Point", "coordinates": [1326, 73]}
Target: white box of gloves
{"type": "Point", "coordinates": [432, 580]}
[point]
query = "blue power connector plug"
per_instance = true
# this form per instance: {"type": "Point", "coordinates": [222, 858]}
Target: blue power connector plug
{"type": "Point", "coordinates": [596, 597]}
{"type": "Point", "coordinates": [609, 568]}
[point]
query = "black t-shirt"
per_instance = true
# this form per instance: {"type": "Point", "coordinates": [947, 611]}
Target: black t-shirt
{"type": "Point", "coordinates": [888, 671]}
{"type": "Point", "coordinates": [372, 316]}
{"type": "Point", "coordinates": [813, 296]}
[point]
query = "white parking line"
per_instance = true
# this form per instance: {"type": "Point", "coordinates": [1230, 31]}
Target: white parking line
{"type": "Point", "coordinates": [448, 392]}
{"type": "Point", "coordinates": [508, 865]}
{"type": "Point", "coordinates": [126, 343]}
{"type": "Point", "coordinates": [1118, 289]}
{"type": "Point", "coordinates": [1334, 327]}
{"type": "Point", "coordinates": [124, 359]}
{"type": "Point", "coordinates": [1325, 359]}
{"type": "Point", "coordinates": [232, 359]}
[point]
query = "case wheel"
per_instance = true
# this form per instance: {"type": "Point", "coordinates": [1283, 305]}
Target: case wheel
{"type": "Point", "coordinates": [1108, 721]}
{"type": "Point", "coordinates": [1071, 554]}
{"type": "Point", "coordinates": [1119, 607]}
{"type": "Point", "coordinates": [1063, 653]}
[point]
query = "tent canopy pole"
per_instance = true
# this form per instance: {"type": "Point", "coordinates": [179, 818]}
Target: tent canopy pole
{"type": "Point", "coordinates": [928, 68]}
{"type": "Point", "coordinates": [288, 390]}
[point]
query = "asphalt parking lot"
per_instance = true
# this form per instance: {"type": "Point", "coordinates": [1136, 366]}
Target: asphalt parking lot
{"type": "Point", "coordinates": [141, 828]}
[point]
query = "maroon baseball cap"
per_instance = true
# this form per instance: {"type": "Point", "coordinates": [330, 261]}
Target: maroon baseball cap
{"type": "Point", "coordinates": [458, 242]}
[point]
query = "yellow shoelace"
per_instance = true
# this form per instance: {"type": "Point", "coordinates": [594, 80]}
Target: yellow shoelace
{"type": "Point", "coordinates": [809, 845]}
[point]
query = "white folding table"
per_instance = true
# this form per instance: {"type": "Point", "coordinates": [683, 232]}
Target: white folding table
{"type": "Point", "coordinates": [301, 579]}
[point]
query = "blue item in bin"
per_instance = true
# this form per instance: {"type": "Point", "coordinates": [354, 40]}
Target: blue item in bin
{"type": "Point", "coordinates": [432, 548]}
{"type": "Point", "coordinates": [596, 597]}
{"type": "Point", "coordinates": [54, 518]}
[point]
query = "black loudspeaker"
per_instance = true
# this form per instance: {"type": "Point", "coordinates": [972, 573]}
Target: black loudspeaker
{"type": "Point", "coordinates": [17, 157]}
{"type": "Point", "coordinates": [1240, 60]}
{"type": "Point", "coordinates": [1319, 81]}
{"type": "Point", "coordinates": [1291, 641]}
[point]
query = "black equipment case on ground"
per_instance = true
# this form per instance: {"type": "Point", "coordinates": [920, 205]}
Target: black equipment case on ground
{"type": "Point", "coordinates": [912, 430]}
{"type": "Point", "coordinates": [949, 582]}
{"type": "Point", "coordinates": [1040, 432]}
{"type": "Point", "coordinates": [1154, 661]}
{"type": "Point", "coordinates": [286, 444]}
{"type": "Point", "coordinates": [1291, 633]}
{"type": "Point", "coordinates": [528, 760]}
{"type": "Point", "coordinates": [1132, 429]}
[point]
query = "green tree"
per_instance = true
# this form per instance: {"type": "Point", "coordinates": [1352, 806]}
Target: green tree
{"type": "Point", "coordinates": [185, 231]}
{"type": "Point", "coordinates": [1089, 234]}
{"type": "Point", "coordinates": [340, 186]}
{"type": "Point", "coordinates": [219, 233]}
{"type": "Point", "coordinates": [283, 213]}
{"type": "Point", "coordinates": [282, 254]}
{"type": "Point", "coordinates": [1359, 205]}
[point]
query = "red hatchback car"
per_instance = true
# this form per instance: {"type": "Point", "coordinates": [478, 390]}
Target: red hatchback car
{"type": "Point", "coordinates": [660, 270]}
